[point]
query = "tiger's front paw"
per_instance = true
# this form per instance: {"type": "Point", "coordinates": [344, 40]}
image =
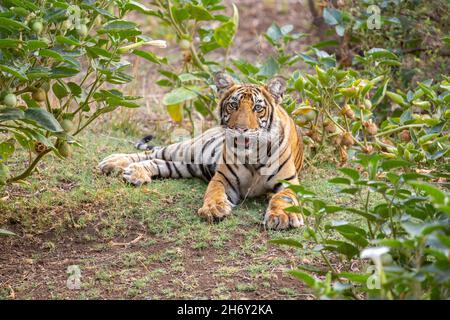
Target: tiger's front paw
{"type": "Point", "coordinates": [137, 174]}
{"type": "Point", "coordinates": [277, 219]}
{"type": "Point", "coordinates": [214, 210]}
{"type": "Point", "coordinates": [114, 163]}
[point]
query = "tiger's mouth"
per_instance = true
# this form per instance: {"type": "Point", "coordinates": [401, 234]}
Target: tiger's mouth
{"type": "Point", "coordinates": [242, 142]}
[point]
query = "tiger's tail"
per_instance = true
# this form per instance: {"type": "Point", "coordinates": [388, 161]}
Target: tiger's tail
{"type": "Point", "coordinates": [143, 143]}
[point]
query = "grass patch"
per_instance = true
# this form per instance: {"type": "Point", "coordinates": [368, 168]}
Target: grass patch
{"type": "Point", "coordinates": [142, 242]}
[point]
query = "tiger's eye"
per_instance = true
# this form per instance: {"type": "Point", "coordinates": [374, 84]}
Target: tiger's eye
{"type": "Point", "coordinates": [232, 106]}
{"type": "Point", "coordinates": [258, 108]}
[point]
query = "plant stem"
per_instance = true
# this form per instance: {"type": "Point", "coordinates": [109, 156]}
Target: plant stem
{"type": "Point", "coordinates": [30, 168]}
{"type": "Point", "coordinates": [399, 128]}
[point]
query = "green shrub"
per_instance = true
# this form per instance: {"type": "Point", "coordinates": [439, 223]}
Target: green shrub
{"type": "Point", "coordinates": [59, 64]}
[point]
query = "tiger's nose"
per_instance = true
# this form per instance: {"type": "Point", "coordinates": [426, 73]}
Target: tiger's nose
{"type": "Point", "coordinates": [240, 129]}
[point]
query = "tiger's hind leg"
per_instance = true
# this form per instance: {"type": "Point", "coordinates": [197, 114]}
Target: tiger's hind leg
{"type": "Point", "coordinates": [142, 172]}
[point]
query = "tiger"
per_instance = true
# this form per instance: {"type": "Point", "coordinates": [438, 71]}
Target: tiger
{"type": "Point", "coordinates": [254, 151]}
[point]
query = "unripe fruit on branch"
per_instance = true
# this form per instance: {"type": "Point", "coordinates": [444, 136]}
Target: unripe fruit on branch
{"type": "Point", "coordinates": [38, 95]}
{"type": "Point", "coordinates": [185, 44]}
{"type": "Point", "coordinates": [67, 125]}
{"type": "Point", "coordinates": [64, 149]}
{"type": "Point", "coordinates": [10, 100]}
{"type": "Point", "coordinates": [37, 27]}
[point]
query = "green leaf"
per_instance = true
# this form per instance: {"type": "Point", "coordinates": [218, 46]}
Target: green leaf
{"type": "Point", "coordinates": [60, 90]}
{"type": "Point", "coordinates": [394, 163]}
{"type": "Point", "coordinates": [178, 95]}
{"type": "Point", "coordinates": [120, 27]}
{"type": "Point", "coordinates": [331, 16]}
{"type": "Point", "coordinates": [9, 43]}
{"type": "Point", "coordinates": [71, 41]}
{"type": "Point", "coordinates": [43, 118]}
{"type": "Point", "coordinates": [274, 33]}
{"type": "Point", "coordinates": [6, 233]}
{"type": "Point", "coordinates": [6, 149]}
{"type": "Point", "coordinates": [14, 71]}
{"type": "Point", "coordinates": [340, 180]}
{"type": "Point", "coordinates": [269, 68]}
{"type": "Point", "coordinates": [437, 195]}
{"type": "Point", "coordinates": [198, 12]}
{"type": "Point", "coordinates": [288, 242]}
{"type": "Point", "coordinates": [51, 54]}
{"type": "Point", "coordinates": [379, 93]}
{"type": "Point", "coordinates": [304, 277]}
{"type": "Point", "coordinates": [150, 56]}
{"type": "Point", "coordinates": [135, 5]}
{"type": "Point", "coordinates": [352, 173]}
{"type": "Point", "coordinates": [224, 34]}
{"type": "Point", "coordinates": [12, 24]}
{"type": "Point", "coordinates": [395, 97]}
{"type": "Point", "coordinates": [381, 53]}
{"type": "Point", "coordinates": [7, 114]}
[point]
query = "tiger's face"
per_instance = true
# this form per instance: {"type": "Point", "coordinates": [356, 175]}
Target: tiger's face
{"type": "Point", "coordinates": [248, 112]}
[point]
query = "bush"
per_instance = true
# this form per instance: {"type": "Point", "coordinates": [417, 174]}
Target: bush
{"type": "Point", "coordinates": [59, 63]}
{"type": "Point", "coordinates": [406, 234]}
{"type": "Point", "coordinates": [399, 175]}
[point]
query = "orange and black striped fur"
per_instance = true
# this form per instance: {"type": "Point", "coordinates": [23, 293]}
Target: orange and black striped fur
{"type": "Point", "coordinates": [256, 146]}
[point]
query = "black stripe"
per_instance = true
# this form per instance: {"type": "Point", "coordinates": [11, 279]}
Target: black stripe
{"type": "Point", "coordinates": [277, 187]}
{"type": "Point", "coordinates": [207, 143]}
{"type": "Point", "coordinates": [211, 169]}
{"type": "Point", "coordinates": [168, 167]}
{"type": "Point", "coordinates": [190, 169]}
{"type": "Point", "coordinates": [205, 173]}
{"type": "Point", "coordinates": [270, 118]}
{"type": "Point", "coordinates": [175, 152]}
{"type": "Point", "coordinates": [229, 183]}
{"type": "Point", "coordinates": [234, 174]}
{"type": "Point", "coordinates": [176, 169]}
{"type": "Point", "coordinates": [290, 178]}
{"type": "Point", "coordinates": [163, 155]}
{"type": "Point", "coordinates": [279, 168]}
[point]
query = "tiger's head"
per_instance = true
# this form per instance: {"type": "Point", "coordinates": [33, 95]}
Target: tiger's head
{"type": "Point", "coordinates": [248, 111]}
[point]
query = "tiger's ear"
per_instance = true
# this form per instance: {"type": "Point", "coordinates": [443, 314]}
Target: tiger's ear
{"type": "Point", "coordinates": [223, 82]}
{"type": "Point", "coordinates": [276, 86]}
